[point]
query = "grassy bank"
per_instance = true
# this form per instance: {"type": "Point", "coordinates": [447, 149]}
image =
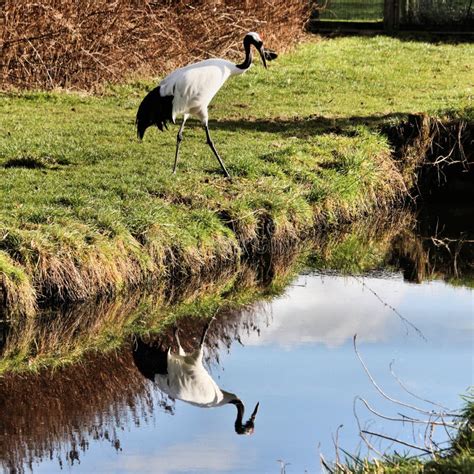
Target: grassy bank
{"type": "Point", "coordinates": [59, 337]}
{"type": "Point", "coordinates": [87, 210]}
{"type": "Point", "coordinates": [64, 336]}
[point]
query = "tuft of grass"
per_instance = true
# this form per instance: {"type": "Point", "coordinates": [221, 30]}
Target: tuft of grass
{"type": "Point", "coordinates": [17, 292]}
{"type": "Point", "coordinates": [86, 209]}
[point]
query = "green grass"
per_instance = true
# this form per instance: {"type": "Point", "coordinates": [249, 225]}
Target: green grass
{"type": "Point", "coordinates": [354, 10]}
{"type": "Point", "coordinates": [86, 208]}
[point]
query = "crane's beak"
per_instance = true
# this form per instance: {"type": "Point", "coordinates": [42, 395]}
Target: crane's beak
{"type": "Point", "coordinates": [254, 414]}
{"type": "Point", "coordinates": [261, 50]}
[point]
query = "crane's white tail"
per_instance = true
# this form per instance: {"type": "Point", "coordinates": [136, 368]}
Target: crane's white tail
{"type": "Point", "coordinates": [155, 109]}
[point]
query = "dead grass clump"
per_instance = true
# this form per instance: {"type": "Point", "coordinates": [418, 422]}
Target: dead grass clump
{"type": "Point", "coordinates": [411, 141]}
{"type": "Point", "coordinates": [68, 269]}
{"type": "Point", "coordinates": [79, 403]}
{"type": "Point", "coordinates": [392, 188]}
{"type": "Point", "coordinates": [16, 291]}
{"type": "Point", "coordinates": [56, 43]}
{"type": "Point", "coordinates": [193, 270]}
{"type": "Point", "coordinates": [60, 263]}
{"type": "Point", "coordinates": [426, 147]}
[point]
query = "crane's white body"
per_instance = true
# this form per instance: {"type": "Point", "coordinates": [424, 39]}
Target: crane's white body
{"type": "Point", "coordinates": [189, 91]}
{"type": "Point", "coordinates": [189, 381]}
{"type": "Point", "coordinates": [194, 86]}
{"type": "Point", "coordinates": [183, 377]}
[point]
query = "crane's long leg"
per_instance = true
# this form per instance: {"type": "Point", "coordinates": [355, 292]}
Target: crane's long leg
{"type": "Point", "coordinates": [204, 333]}
{"type": "Point", "coordinates": [180, 349]}
{"type": "Point", "coordinates": [199, 352]}
{"type": "Point", "coordinates": [213, 148]}
{"type": "Point", "coordinates": [179, 139]}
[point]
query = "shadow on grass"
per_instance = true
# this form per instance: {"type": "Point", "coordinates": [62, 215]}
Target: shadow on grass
{"type": "Point", "coordinates": [27, 162]}
{"type": "Point", "coordinates": [31, 162]}
{"type": "Point", "coordinates": [302, 127]}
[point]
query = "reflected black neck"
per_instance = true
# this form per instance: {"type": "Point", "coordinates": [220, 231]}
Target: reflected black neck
{"type": "Point", "coordinates": [240, 416]}
{"type": "Point", "coordinates": [248, 57]}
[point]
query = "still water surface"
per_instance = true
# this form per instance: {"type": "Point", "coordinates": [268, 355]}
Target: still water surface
{"type": "Point", "coordinates": [297, 359]}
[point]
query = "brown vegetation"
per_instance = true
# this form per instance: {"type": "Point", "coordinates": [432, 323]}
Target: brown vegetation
{"type": "Point", "coordinates": [78, 404]}
{"type": "Point", "coordinates": [56, 43]}
{"type": "Point", "coordinates": [427, 147]}
{"type": "Point", "coordinates": [92, 400]}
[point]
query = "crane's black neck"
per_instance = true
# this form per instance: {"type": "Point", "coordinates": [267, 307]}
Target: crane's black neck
{"type": "Point", "coordinates": [248, 55]}
{"type": "Point", "coordinates": [239, 426]}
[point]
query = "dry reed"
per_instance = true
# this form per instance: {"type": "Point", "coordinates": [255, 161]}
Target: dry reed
{"type": "Point", "coordinates": [80, 45]}
{"type": "Point", "coordinates": [57, 414]}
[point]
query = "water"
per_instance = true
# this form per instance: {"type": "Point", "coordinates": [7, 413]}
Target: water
{"type": "Point", "coordinates": [301, 366]}
{"type": "Point", "coordinates": [294, 354]}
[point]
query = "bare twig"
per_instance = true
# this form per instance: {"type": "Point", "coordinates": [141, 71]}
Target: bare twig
{"type": "Point", "coordinates": [404, 418]}
{"type": "Point", "coordinates": [411, 393]}
{"type": "Point", "coordinates": [399, 441]}
{"type": "Point", "coordinates": [361, 432]}
{"type": "Point", "coordinates": [374, 383]}
{"type": "Point", "coordinates": [402, 318]}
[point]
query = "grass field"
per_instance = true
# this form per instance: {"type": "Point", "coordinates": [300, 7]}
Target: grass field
{"type": "Point", "coordinates": [353, 10]}
{"type": "Point", "coordinates": [87, 209]}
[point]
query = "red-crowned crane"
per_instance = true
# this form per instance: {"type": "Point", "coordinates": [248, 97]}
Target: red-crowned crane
{"type": "Point", "coordinates": [182, 376]}
{"type": "Point", "coordinates": [190, 89]}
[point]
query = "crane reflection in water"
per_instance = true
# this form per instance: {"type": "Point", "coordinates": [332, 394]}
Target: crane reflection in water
{"type": "Point", "coordinates": [183, 377]}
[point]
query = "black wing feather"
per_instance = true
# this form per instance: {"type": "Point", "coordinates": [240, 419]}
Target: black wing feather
{"type": "Point", "coordinates": [154, 109]}
{"type": "Point", "coordinates": [150, 359]}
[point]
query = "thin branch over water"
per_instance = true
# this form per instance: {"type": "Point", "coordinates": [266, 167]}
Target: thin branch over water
{"type": "Point", "coordinates": [392, 308]}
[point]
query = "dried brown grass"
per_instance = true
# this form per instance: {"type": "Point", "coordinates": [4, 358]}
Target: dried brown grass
{"type": "Point", "coordinates": [79, 403]}
{"type": "Point", "coordinates": [100, 396]}
{"type": "Point", "coordinates": [16, 290]}
{"type": "Point", "coordinates": [80, 45]}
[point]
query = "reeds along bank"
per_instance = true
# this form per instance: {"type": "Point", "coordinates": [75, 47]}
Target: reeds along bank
{"type": "Point", "coordinates": [81, 45]}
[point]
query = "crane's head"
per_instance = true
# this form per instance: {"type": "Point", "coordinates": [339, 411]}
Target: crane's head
{"type": "Point", "coordinates": [253, 38]}
{"type": "Point", "coordinates": [248, 427]}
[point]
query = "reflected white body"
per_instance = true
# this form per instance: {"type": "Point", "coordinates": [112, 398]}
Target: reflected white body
{"type": "Point", "coordinates": [189, 381]}
{"type": "Point", "coordinates": [194, 86]}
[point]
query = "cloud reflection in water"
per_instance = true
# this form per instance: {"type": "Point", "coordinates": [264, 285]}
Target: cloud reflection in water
{"type": "Point", "coordinates": [318, 310]}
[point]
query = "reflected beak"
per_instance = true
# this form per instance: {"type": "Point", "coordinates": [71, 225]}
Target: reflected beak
{"type": "Point", "coordinates": [261, 50]}
{"type": "Point", "coordinates": [254, 414]}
